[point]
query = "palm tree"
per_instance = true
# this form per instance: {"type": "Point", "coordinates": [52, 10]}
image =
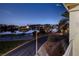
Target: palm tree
{"type": "Point", "coordinates": [66, 14]}
{"type": "Point", "coordinates": [64, 28]}
{"type": "Point", "coordinates": [65, 21]}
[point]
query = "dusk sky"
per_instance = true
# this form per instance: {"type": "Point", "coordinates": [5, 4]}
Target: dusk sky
{"type": "Point", "coordinates": [23, 14]}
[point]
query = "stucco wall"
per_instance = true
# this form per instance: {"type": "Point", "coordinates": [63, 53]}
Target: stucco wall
{"type": "Point", "coordinates": [74, 30]}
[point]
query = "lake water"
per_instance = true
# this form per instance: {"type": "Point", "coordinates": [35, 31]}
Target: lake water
{"type": "Point", "coordinates": [28, 36]}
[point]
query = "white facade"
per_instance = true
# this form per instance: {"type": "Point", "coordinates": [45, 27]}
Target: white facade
{"type": "Point", "coordinates": [74, 30]}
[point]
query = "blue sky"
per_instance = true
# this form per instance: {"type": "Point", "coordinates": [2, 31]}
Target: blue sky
{"type": "Point", "coordinates": [23, 14]}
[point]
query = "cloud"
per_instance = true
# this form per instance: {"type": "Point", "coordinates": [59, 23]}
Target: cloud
{"type": "Point", "coordinates": [58, 4]}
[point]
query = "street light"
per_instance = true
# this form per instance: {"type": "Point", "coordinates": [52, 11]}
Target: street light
{"type": "Point", "coordinates": [36, 43]}
{"type": "Point", "coordinates": [27, 27]}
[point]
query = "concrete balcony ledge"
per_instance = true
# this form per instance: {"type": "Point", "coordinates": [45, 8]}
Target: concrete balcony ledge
{"type": "Point", "coordinates": [68, 52]}
{"type": "Point", "coordinates": [42, 51]}
{"type": "Point", "coordinates": [51, 49]}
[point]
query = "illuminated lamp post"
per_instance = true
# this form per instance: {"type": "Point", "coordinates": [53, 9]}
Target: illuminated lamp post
{"type": "Point", "coordinates": [36, 43]}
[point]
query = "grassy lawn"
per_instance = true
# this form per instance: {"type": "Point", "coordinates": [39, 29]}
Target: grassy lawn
{"type": "Point", "coordinates": [8, 45]}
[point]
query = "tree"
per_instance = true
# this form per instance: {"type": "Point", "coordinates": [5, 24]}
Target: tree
{"type": "Point", "coordinates": [64, 21]}
{"type": "Point", "coordinates": [66, 14]}
{"type": "Point", "coordinates": [64, 27]}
